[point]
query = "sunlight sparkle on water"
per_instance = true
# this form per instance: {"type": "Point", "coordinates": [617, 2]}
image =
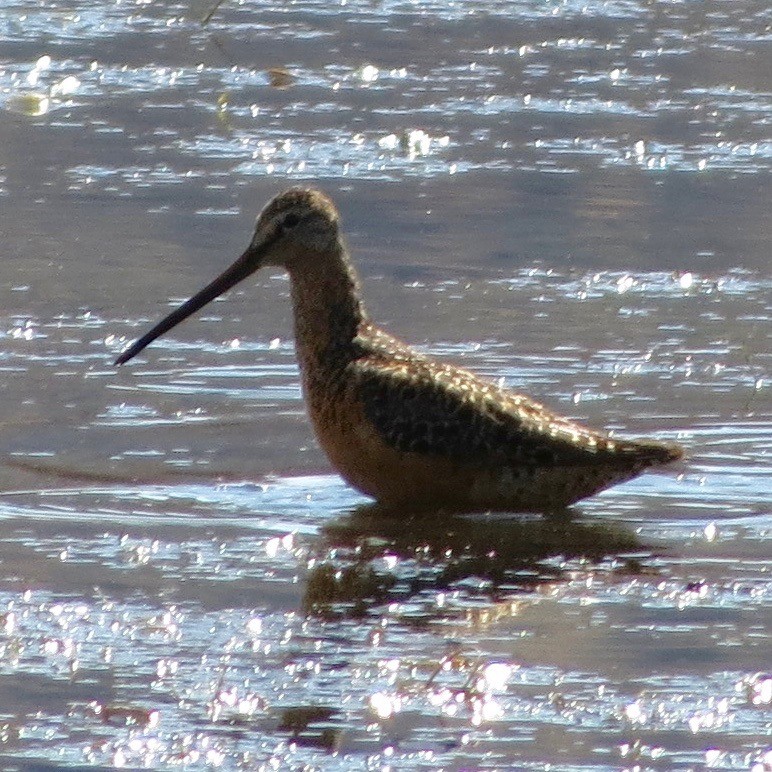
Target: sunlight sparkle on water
{"type": "Point", "coordinates": [385, 704]}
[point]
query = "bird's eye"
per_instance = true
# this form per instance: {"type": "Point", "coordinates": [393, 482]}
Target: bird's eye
{"type": "Point", "coordinates": [290, 221]}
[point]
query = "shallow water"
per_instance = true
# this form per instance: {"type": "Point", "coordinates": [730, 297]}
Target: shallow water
{"type": "Point", "coordinates": [570, 197]}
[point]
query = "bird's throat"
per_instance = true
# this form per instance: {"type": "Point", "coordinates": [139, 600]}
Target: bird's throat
{"type": "Point", "coordinates": [328, 309]}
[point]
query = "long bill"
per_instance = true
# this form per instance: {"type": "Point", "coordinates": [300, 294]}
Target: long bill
{"type": "Point", "coordinates": [248, 263]}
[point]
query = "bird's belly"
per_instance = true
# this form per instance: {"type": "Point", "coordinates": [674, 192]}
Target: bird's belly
{"type": "Point", "coordinates": [371, 466]}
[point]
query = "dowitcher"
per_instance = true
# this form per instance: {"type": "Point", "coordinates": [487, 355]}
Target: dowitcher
{"type": "Point", "coordinates": [398, 425]}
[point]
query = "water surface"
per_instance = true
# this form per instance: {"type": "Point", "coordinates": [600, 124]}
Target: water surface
{"type": "Point", "coordinates": [571, 197]}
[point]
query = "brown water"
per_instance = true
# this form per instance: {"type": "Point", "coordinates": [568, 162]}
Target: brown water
{"type": "Point", "coordinates": [573, 197]}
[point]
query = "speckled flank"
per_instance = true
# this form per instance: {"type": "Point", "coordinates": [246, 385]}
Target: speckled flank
{"type": "Point", "coordinates": [400, 426]}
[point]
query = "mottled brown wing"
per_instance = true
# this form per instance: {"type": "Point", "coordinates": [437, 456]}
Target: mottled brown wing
{"type": "Point", "coordinates": [422, 406]}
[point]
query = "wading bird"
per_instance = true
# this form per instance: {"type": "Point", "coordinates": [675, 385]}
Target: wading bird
{"type": "Point", "coordinates": [399, 426]}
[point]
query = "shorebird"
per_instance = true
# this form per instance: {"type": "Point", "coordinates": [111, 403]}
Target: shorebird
{"type": "Point", "coordinates": [399, 426]}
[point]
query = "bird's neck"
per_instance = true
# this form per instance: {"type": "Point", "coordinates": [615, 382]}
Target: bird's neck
{"type": "Point", "coordinates": [327, 308]}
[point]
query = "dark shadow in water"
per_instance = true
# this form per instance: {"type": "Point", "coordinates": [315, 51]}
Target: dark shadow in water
{"type": "Point", "coordinates": [370, 557]}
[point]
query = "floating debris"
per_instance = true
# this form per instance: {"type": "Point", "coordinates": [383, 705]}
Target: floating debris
{"type": "Point", "coordinates": [278, 77]}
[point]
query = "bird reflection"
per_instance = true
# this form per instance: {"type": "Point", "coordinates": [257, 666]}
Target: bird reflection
{"type": "Point", "coordinates": [369, 557]}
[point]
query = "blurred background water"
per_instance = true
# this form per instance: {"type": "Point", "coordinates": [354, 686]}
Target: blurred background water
{"type": "Point", "coordinates": [572, 197]}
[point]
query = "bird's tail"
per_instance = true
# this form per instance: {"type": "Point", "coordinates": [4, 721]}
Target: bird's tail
{"type": "Point", "coordinates": [650, 452]}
